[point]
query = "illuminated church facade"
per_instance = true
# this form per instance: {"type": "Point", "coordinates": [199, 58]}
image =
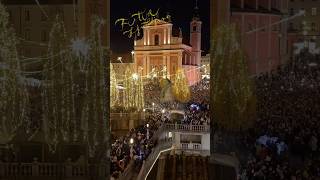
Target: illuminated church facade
{"type": "Point", "coordinates": [162, 49]}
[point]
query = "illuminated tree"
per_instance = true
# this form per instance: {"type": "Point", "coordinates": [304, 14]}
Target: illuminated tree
{"type": "Point", "coordinates": [180, 87]}
{"type": "Point", "coordinates": [114, 92]}
{"type": "Point", "coordinates": [95, 123]}
{"type": "Point", "coordinates": [13, 93]}
{"type": "Point", "coordinates": [233, 99]}
{"type": "Point", "coordinates": [134, 90]}
{"type": "Point", "coordinates": [59, 94]}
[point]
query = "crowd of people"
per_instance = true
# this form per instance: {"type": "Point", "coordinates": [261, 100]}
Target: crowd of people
{"type": "Point", "coordinates": [135, 146]}
{"type": "Point", "coordinates": [123, 151]}
{"type": "Point", "coordinates": [289, 109]}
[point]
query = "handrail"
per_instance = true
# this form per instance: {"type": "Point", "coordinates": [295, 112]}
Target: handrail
{"type": "Point", "coordinates": [148, 164]}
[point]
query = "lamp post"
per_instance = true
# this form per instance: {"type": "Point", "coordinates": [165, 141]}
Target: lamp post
{"type": "Point", "coordinates": [132, 55]}
{"type": "Point", "coordinates": [148, 131]}
{"type": "Point", "coordinates": [153, 107]}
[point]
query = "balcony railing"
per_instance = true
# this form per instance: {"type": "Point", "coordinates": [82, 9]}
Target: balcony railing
{"type": "Point", "coordinates": [187, 127]}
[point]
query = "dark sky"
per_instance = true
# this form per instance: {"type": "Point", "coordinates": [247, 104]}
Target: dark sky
{"type": "Point", "coordinates": [181, 12]}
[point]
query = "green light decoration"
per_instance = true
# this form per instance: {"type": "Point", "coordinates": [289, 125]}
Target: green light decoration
{"type": "Point", "coordinates": [232, 93]}
{"type": "Point", "coordinates": [13, 93]}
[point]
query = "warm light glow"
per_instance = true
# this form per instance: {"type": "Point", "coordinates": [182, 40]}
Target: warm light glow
{"type": "Point", "coordinates": [132, 52]}
{"type": "Point", "coordinates": [144, 110]}
{"type": "Point", "coordinates": [163, 111]}
{"type": "Point", "coordinates": [131, 141]}
{"type": "Point", "coordinates": [170, 134]}
{"type": "Point", "coordinates": [147, 125]}
{"type": "Point", "coordinates": [135, 76]}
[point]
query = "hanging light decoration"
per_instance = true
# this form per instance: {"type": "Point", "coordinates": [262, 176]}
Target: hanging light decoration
{"type": "Point", "coordinates": [13, 94]}
{"type": "Point", "coordinates": [59, 94]}
{"type": "Point", "coordinates": [114, 92]}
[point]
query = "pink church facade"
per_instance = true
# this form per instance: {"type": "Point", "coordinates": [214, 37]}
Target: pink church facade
{"type": "Point", "coordinates": [161, 49]}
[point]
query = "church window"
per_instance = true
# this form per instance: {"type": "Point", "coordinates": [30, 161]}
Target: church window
{"type": "Point", "coordinates": [156, 40]}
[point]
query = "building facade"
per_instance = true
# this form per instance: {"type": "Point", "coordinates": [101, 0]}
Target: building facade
{"type": "Point", "coordinates": [32, 23]}
{"type": "Point", "coordinates": [161, 48]}
{"type": "Point", "coordinates": [304, 28]}
{"type": "Point", "coordinates": [264, 40]}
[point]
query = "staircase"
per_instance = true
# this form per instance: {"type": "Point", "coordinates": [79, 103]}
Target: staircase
{"type": "Point", "coordinates": [181, 167]}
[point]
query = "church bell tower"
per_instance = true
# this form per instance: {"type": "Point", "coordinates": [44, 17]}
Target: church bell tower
{"type": "Point", "coordinates": [195, 36]}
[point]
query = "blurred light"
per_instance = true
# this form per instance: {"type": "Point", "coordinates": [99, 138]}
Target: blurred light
{"type": "Point", "coordinates": [170, 134]}
{"type": "Point", "coordinates": [147, 125]}
{"type": "Point", "coordinates": [135, 76]}
{"type": "Point", "coordinates": [131, 141]}
{"type": "Point", "coordinates": [163, 111]}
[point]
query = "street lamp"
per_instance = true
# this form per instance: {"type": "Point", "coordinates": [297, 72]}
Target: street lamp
{"type": "Point", "coordinates": [153, 107]}
{"type": "Point", "coordinates": [132, 55]}
{"type": "Point", "coordinates": [148, 131]}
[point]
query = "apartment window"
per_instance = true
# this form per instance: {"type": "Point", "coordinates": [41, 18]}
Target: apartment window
{"type": "Point", "coordinates": [313, 26]}
{"type": "Point", "coordinates": [156, 40]}
{"type": "Point", "coordinates": [250, 27]}
{"type": "Point", "coordinates": [314, 11]}
{"type": "Point", "coordinates": [76, 16]}
{"type": "Point", "coordinates": [44, 36]}
{"type": "Point", "coordinates": [291, 26]}
{"type": "Point", "coordinates": [291, 11]}
{"type": "Point", "coordinates": [27, 15]}
{"type": "Point", "coordinates": [27, 34]}
{"type": "Point", "coordinates": [43, 17]}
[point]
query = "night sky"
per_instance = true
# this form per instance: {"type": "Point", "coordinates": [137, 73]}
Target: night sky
{"type": "Point", "coordinates": [181, 12]}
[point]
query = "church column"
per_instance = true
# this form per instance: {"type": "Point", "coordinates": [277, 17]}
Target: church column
{"type": "Point", "coordinates": [148, 36]}
{"type": "Point", "coordinates": [165, 36]}
{"type": "Point", "coordinates": [168, 65]}
{"type": "Point", "coordinates": [169, 36]}
{"type": "Point", "coordinates": [148, 64]}
{"type": "Point", "coordinates": [145, 70]}
{"type": "Point", "coordinates": [144, 37]}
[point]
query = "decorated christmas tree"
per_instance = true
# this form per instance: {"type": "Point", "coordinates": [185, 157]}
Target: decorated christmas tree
{"type": "Point", "coordinates": [232, 94]}
{"type": "Point", "coordinates": [180, 87]}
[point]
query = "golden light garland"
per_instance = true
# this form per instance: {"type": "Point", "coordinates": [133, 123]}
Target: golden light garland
{"type": "Point", "coordinates": [114, 92]}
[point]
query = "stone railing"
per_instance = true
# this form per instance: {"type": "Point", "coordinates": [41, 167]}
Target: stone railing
{"type": "Point", "coordinates": [187, 127]}
{"type": "Point", "coordinates": [163, 146]}
{"type": "Point", "coordinates": [37, 169]}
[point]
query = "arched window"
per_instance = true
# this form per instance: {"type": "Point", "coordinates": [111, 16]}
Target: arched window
{"type": "Point", "coordinates": [156, 40]}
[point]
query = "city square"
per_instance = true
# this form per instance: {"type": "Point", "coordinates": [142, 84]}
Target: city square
{"type": "Point", "coordinates": [161, 90]}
